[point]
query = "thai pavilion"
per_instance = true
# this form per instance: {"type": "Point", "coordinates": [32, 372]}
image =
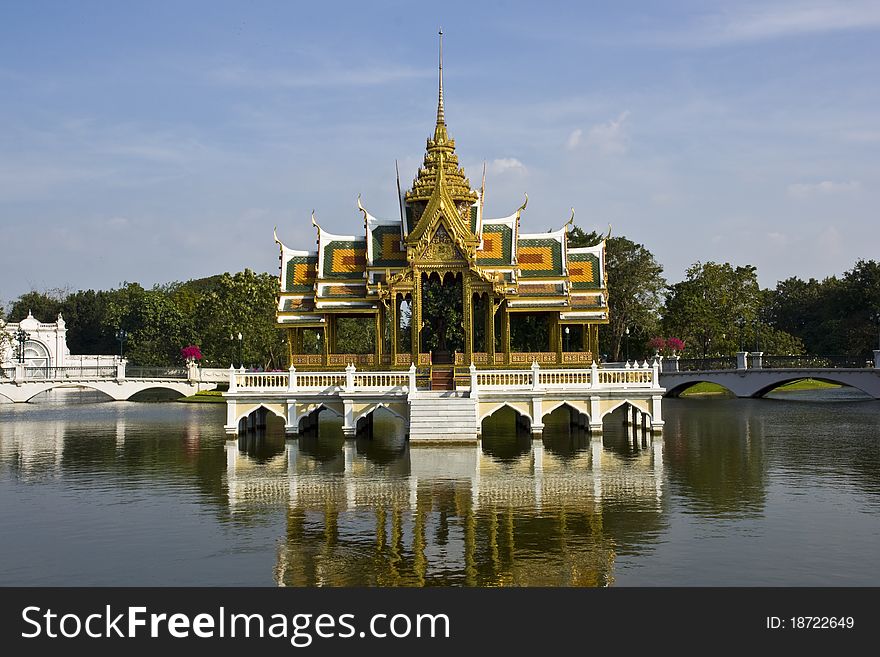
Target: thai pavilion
{"type": "Point", "coordinates": [390, 283]}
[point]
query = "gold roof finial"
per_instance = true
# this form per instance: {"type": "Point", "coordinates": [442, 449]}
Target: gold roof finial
{"type": "Point", "coordinates": [440, 130]}
{"type": "Point", "coordinates": [440, 155]}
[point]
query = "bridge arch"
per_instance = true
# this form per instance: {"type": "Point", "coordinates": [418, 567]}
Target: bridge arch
{"type": "Point", "coordinates": [677, 390]}
{"type": "Point", "coordinates": [375, 407]}
{"type": "Point", "coordinates": [308, 413]}
{"type": "Point", "coordinates": [253, 409]}
{"type": "Point", "coordinates": [39, 390]}
{"type": "Point", "coordinates": [639, 405]}
{"type": "Point", "coordinates": [158, 387]}
{"type": "Point", "coordinates": [824, 379]}
{"type": "Point", "coordinates": [572, 406]}
{"type": "Point", "coordinates": [494, 409]}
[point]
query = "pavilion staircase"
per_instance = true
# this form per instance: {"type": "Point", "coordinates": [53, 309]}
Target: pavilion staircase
{"type": "Point", "coordinates": [442, 415]}
{"type": "Point", "coordinates": [443, 378]}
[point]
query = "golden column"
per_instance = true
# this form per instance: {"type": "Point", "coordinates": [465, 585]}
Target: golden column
{"type": "Point", "coordinates": [490, 329]}
{"type": "Point", "coordinates": [505, 333]}
{"type": "Point", "coordinates": [557, 338]}
{"type": "Point", "coordinates": [467, 308]}
{"type": "Point", "coordinates": [395, 325]}
{"type": "Point", "coordinates": [380, 335]}
{"type": "Point", "coordinates": [416, 315]}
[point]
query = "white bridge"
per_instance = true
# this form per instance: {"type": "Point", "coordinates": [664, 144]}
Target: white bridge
{"type": "Point", "coordinates": [444, 416]}
{"type": "Point", "coordinates": [757, 374]}
{"type": "Point", "coordinates": [117, 380]}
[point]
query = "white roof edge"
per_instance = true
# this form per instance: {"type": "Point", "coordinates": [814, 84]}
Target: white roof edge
{"type": "Point", "coordinates": [554, 235]}
{"type": "Point", "coordinates": [589, 249]}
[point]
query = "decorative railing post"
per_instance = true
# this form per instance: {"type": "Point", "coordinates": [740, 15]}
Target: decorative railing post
{"type": "Point", "coordinates": [412, 377]}
{"type": "Point", "coordinates": [594, 375]}
{"type": "Point", "coordinates": [233, 383]}
{"type": "Point", "coordinates": [473, 371]}
{"type": "Point", "coordinates": [756, 363]}
{"type": "Point", "coordinates": [349, 377]}
{"type": "Point", "coordinates": [19, 372]}
{"type": "Point", "coordinates": [655, 374]}
{"type": "Point", "coordinates": [291, 379]}
{"type": "Point", "coordinates": [741, 363]}
{"type": "Point", "coordinates": [536, 373]}
{"type": "Point", "coordinates": [120, 369]}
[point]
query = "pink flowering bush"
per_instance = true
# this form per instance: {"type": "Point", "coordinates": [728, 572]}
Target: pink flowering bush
{"type": "Point", "coordinates": [657, 344]}
{"type": "Point", "coordinates": [674, 345]}
{"type": "Point", "coordinates": [666, 346]}
{"type": "Point", "coordinates": [191, 352]}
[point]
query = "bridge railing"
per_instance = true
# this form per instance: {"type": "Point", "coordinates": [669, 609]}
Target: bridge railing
{"type": "Point", "coordinates": [707, 364]}
{"type": "Point", "coordinates": [755, 361]}
{"type": "Point", "coordinates": [138, 372]}
{"type": "Point", "coordinates": [69, 373]}
{"type": "Point", "coordinates": [811, 362]}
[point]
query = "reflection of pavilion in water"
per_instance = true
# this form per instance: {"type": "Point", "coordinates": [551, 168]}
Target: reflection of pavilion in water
{"type": "Point", "coordinates": [552, 513]}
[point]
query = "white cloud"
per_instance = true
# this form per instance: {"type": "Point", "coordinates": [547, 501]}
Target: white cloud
{"type": "Point", "coordinates": [746, 22]}
{"type": "Point", "coordinates": [663, 198]}
{"type": "Point", "coordinates": [610, 138]}
{"type": "Point", "coordinates": [824, 188]}
{"type": "Point", "coordinates": [863, 136]}
{"type": "Point", "coordinates": [505, 165]}
{"type": "Point", "coordinates": [118, 222]}
{"type": "Point", "coordinates": [777, 238]}
{"type": "Point", "coordinates": [574, 139]}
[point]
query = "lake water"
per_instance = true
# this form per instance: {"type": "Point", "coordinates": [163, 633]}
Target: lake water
{"type": "Point", "coordinates": [782, 491]}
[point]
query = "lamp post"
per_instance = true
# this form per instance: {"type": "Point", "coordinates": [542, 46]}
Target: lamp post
{"type": "Point", "coordinates": [121, 335]}
{"type": "Point", "coordinates": [567, 341]}
{"type": "Point", "coordinates": [240, 363]}
{"type": "Point", "coordinates": [877, 322]}
{"type": "Point", "coordinates": [626, 332]}
{"type": "Point", "coordinates": [21, 337]}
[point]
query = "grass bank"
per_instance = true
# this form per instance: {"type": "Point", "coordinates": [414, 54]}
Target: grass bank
{"type": "Point", "coordinates": [204, 397]}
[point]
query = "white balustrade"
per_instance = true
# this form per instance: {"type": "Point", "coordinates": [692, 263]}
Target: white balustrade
{"type": "Point", "coordinates": [294, 380]}
{"type": "Point", "coordinates": [535, 378]}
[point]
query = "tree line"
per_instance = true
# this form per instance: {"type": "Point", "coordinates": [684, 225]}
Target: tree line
{"type": "Point", "coordinates": [151, 326]}
{"type": "Point", "coordinates": [719, 308]}
{"type": "Point", "coordinates": [716, 310]}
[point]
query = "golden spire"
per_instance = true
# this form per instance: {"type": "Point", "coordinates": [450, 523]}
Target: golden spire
{"type": "Point", "coordinates": [440, 134]}
{"type": "Point", "coordinates": [440, 155]}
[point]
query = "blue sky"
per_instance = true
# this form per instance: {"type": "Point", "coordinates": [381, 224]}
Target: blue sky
{"type": "Point", "coordinates": [160, 141]}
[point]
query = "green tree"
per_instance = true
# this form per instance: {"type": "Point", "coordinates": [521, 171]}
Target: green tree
{"type": "Point", "coordinates": [355, 335]}
{"type": "Point", "coordinates": [44, 306]}
{"type": "Point", "coordinates": [719, 309]}
{"type": "Point", "coordinates": [89, 329]}
{"type": "Point", "coordinates": [442, 317]}
{"type": "Point", "coordinates": [832, 316]}
{"type": "Point", "coordinates": [861, 307]}
{"type": "Point", "coordinates": [156, 329]}
{"type": "Point", "coordinates": [809, 310]}
{"type": "Point", "coordinates": [244, 303]}
{"type": "Point", "coordinates": [635, 291]}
